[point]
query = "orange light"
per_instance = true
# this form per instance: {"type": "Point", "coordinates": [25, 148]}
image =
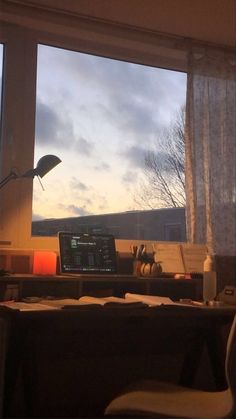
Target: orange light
{"type": "Point", "coordinates": [44, 263]}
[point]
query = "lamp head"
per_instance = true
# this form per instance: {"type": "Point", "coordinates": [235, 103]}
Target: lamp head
{"type": "Point", "coordinates": [44, 165]}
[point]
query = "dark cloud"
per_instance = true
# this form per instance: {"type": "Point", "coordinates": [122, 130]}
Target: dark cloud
{"type": "Point", "coordinates": [77, 184]}
{"type": "Point", "coordinates": [51, 128]}
{"type": "Point", "coordinates": [73, 209]}
{"type": "Point", "coordinates": [87, 201]}
{"type": "Point", "coordinates": [84, 147]}
{"type": "Point", "coordinates": [102, 167]}
{"type": "Point", "coordinates": [135, 119]}
{"type": "Point", "coordinates": [136, 100]}
{"type": "Point", "coordinates": [138, 97]}
{"type": "Point", "coordinates": [129, 177]}
{"type": "Point", "coordinates": [135, 155]}
{"type": "Point", "coordinates": [100, 201]}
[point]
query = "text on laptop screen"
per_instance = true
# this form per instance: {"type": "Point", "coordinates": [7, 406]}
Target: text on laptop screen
{"type": "Point", "coordinates": [87, 253]}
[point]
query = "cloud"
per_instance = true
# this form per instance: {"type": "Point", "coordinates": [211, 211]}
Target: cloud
{"type": "Point", "coordinates": [81, 211]}
{"type": "Point", "coordinates": [51, 128]}
{"type": "Point", "coordinates": [136, 99]}
{"type": "Point", "coordinates": [102, 167]}
{"type": "Point", "coordinates": [100, 201]}
{"type": "Point", "coordinates": [129, 177]}
{"type": "Point", "coordinates": [84, 147]}
{"type": "Point", "coordinates": [73, 209]}
{"type": "Point", "coordinates": [135, 155]}
{"type": "Point", "coordinates": [132, 119]}
{"type": "Point", "coordinates": [103, 114]}
{"type": "Point", "coordinates": [77, 184]}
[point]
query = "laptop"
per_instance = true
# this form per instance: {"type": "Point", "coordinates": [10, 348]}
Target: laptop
{"type": "Point", "coordinates": [87, 254]}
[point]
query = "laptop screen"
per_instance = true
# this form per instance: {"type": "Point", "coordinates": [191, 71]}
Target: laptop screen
{"type": "Point", "coordinates": [87, 253]}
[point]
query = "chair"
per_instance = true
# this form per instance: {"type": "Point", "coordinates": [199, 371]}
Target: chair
{"type": "Point", "coordinates": [150, 399]}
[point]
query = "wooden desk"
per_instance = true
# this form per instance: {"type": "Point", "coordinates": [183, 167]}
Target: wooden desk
{"type": "Point", "coordinates": [73, 362]}
{"type": "Point", "coordinates": [74, 287]}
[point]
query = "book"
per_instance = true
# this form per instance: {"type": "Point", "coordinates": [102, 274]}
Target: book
{"type": "Point", "coordinates": [21, 306]}
{"type": "Point", "coordinates": [150, 300]}
{"type": "Point", "coordinates": [110, 301]}
{"type": "Point", "coordinates": [60, 303]}
{"type": "Point", "coordinates": [70, 303]}
{"type": "Point", "coordinates": [88, 300]}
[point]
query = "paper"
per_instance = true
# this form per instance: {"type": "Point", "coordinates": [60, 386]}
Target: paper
{"type": "Point", "coordinates": [193, 257]}
{"type": "Point", "coordinates": [17, 305]}
{"type": "Point", "coordinates": [169, 256]}
{"type": "Point", "coordinates": [89, 300]}
{"type": "Point", "coordinates": [150, 300]}
{"type": "Point", "coordinates": [111, 301]}
{"type": "Point", "coordinates": [59, 303]}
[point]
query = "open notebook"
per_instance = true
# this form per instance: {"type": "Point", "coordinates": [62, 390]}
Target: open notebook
{"type": "Point", "coordinates": [130, 300]}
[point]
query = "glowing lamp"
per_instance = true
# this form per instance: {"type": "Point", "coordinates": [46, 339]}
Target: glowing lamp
{"type": "Point", "coordinates": [44, 263]}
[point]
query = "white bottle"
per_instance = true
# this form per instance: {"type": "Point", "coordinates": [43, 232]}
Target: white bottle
{"type": "Point", "coordinates": [209, 279]}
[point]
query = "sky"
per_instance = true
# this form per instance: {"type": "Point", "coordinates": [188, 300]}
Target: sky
{"type": "Point", "coordinates": [100, 117]}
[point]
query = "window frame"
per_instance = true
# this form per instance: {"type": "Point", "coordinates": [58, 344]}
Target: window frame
{"type": "Point", "coordinates": [19, 103]}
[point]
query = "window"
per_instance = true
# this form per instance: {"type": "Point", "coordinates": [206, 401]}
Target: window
{"type": "Point", "coordinates": [173, 232]}
{"type": "Point", "coordinates": [101, 117]}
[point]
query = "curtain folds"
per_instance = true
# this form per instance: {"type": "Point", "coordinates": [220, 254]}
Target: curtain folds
{"type": "Point", "coordinates": [211, 151]}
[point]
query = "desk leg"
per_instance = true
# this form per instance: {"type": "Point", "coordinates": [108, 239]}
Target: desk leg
{"type": "Point", "coordinates": [192, 359]}
{"type": "Point", "coordinates": [19, 359]}
{"type": "Point", "coordinates": [13, 363]}
{"type": "Point", "coordinates": [217, 351]}
{"type": "Point", "coordinates": [30, 375]}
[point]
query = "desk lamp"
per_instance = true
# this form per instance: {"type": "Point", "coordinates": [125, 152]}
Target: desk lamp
{"type": "Point", "coordinates": [44, 165]}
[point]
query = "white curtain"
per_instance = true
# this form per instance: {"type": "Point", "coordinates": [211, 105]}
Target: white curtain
{"type": "Point", "coordinates": [211, 151]}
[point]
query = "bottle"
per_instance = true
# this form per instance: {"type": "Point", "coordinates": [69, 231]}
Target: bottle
{"type": "Point", "coordinates": [209, 279]}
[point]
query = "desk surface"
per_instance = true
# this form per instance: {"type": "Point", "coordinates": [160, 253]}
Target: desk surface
{"type": "Point", "coordinates": [91, 277]}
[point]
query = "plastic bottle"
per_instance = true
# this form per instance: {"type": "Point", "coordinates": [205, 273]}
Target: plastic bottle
{"type": "Point", "coordinates": [209, 279]}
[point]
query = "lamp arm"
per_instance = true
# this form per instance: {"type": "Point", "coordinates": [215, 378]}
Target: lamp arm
{"type": "Point", "coordinates": [12, 175]}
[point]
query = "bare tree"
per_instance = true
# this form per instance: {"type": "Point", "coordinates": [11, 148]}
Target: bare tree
{"type": "Point", "coordinates": [164, 171]}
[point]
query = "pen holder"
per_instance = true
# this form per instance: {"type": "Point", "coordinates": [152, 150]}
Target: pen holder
{"type": "Point", "coordinates": [137, 267]}
{"type": "Point", "coordinates": [152, 269]}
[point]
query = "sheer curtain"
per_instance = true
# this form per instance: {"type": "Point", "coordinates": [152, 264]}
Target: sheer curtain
{"type": "Point", "coordinates": [211, 151]}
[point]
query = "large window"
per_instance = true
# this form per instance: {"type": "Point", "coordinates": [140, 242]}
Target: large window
{"type": "Point", "coordinates": [101, 117]}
